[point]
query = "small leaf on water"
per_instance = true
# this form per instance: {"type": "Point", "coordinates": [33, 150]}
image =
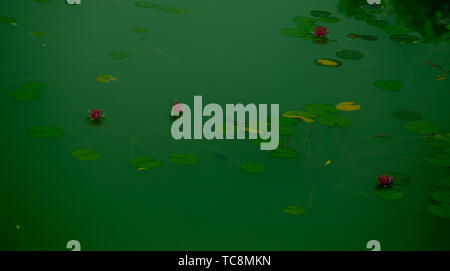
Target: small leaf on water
{"type": "Point", "coordinates": [327, 163]}
{"type": "Point", "coordinates": [145, 162]}
{"type": "Point", "coordinates": [328, 62]}
{"type": "Point", "coordinates": [85, 155]}
{"type": "Point", "coordinates": [183, 159]}
{"type": "Point", "coordinates": [105, 78]}
{"type": "Point", "coordinates": [253, 168]}
{"type": "Point", "coordinates": [348, 106]}
{"type": "Point", "coordinates": [295, 210]}
{"type": "Point", "coordinates": [422, 127]}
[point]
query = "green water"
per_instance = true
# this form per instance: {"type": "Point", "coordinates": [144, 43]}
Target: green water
{"type": "Point", "coordinates": [228, 52]}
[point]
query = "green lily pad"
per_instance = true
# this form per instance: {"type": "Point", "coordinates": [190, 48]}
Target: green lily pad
{"type": "Point", "coordinates": [45, 131]}
{"type": "Point", "coordinates": [334, 120]}
{"type": "Point", "coordinates": [399, 178]}
{"type": "Point", "coordinates": [439, 141]}
{"type": "Point", "coordinates": [388, 193]}
{"type": "Point", "coordinates": [295, 210]}
{"type": "Point", "coordinates": [439, 210]}
{"type": "Point", "coordinates": [253, 168]}
{"type": "Point", "coordinates": [364, 16]}
{"type": "Point", "coordinates": [407, 115]}
{"type": "Point", "coordinates": [145, 162]}
{"type": "Point", "coordinates": [321, 109]}
{"type": "Point", "coordinates": [442, 197]}
{"type": "Point", "coordinates": [439, 160]}
{"type": "Point", "coordinates": [378, 23]}
{"type": "Point", "coordinates": [286, 131]}
{"type": "Point", "coordinates": [300, 19]}
{"type": "Point", "coordinates": [24, 94]}
{"type": "Point", "coordinates": [85, 155]}
{"type": "Point", "coordinates": [298, 33]}
{"type": "Point", "coordinates": [7, 20]}
{"type": "Point", "coordinates": [120, 55]}
{"type": "Point", "coordinates": [139, 29]}
{"type": "Point", "coordinates": [183, 159]}
{"type": "Point", "coordinates": [283, 153]}
{"type": "Point", "coordinates": [38, 34]}
{"type": "Point", "coordinates": [320, 13]}
{"type": "Point", "coordinates": [395, 29]}
{"type": "Point", "coordinates": [389, 85]}
{"type": "Point", "coordinates": [349, 54]}
{"type": "Point", "coordinates": [34, 85]}
{"type": "Point", "coordinates": [422, 127]}
{"type": "Point", "coordinates": [329, 19]}
{"type": "Point", "coordinates": [148, 4]}
{"type": "Point", "coordinates": [405, 38]}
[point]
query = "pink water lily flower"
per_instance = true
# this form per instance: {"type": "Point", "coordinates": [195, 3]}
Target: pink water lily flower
{"type": "Point", "coordinates": [95, 117]}
{"type": "Point", "coordinates": [320, 32]}
{"type": "Point", "coordinates": [385, 180]}
{"type": "Point", "coordinates": [177, 107]}
{"type": "Point", "coordinates": [95, 113]}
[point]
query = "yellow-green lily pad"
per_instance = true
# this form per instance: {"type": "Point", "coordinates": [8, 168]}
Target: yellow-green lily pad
{"type": "Point", "coordinates": [145, 162]}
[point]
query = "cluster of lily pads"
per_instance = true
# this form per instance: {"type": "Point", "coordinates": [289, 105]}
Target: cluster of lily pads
{"type": "Point", "coordinates": [440, 200]}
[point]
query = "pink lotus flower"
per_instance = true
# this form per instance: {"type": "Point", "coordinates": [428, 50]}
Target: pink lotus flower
{"type": "Point", "coordinates": [385, 180]}
{"type": "Point", "coordinates": [95, 113]}
{"type": "Point", "coordinates": [320, 32]}
{"type": "Point", "coordinates": [177, 107]}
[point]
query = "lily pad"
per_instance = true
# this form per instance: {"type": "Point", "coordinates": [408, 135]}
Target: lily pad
{"type": "Point", "coordinates": [85, 155]}
{"type": "Point", "coordinates": [439, 160]}
{"type": "Point", "coordinates": [439, 141]}
{"type": "Point", "coordinates": [283, 153]}
{"type": "Point", "coordinates": [253, 168]}
{"type": "Point", "coordinates": [321, 109]}
{"type": "Point", "coordinates": [334, 120]}
{"type": "Point", "coordinates": [388, 193]}
{"type": "Point", "coordinates": [34, 85]}
{"type": "Point", "coordinates": [145, 162]}
{"type": "Point", "coordinates": [183, 159]}
{"type": "Point", "coordinates": [120, 55]}
{"type": "Point", "coordinates": [300, 19]}
{"type": "Point", "coordinates": [422, 127]}
{"type": "Point", "coordinates": [445, 21]}
{"type": "Point", "coordinates": [442, 197]}
{"type": "Point", "coordinates": [439, 210]}
{"type": "Point", "coordinates": [38, 34]}
{"type": "Point", "coordinates": [348, 106]}
{"type": "Point", "coordinates": [139, 29]}
{"type": "Point", "coordinates": [45, 131]}
{"type": "Point", "coordinates": [286, 131]}
{"type": "Point", "coordinates": [106, 78]}
{"type": "Point", "coordinates": [407, 115]}
{"type": "Point", "coordinates": [328, 62]}
{"type": "Point", "coordinates": [24, 94]}
{"type": "Point", "coordinates": [295, 210]}
{"type": "Point", "coordinates": [378, 23]}
{"type": "Point", "coordinates": [329, 19]}
{"type": "Point", "coordinates": [320, 13]}
{"type": "Point", "coordinates": [7, 20]}
{"type": "Point", "coordinates": [405, 38]}
{"type": "Point", "coordinates": [389, 85]}
{"type": "Point", "coordinates": [349, 54]}
{"type": "Point", "coordinates": [298, 33]}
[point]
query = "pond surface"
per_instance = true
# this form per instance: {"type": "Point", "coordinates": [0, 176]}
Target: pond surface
{"type": "Point", "coordinates": [118, 185]}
